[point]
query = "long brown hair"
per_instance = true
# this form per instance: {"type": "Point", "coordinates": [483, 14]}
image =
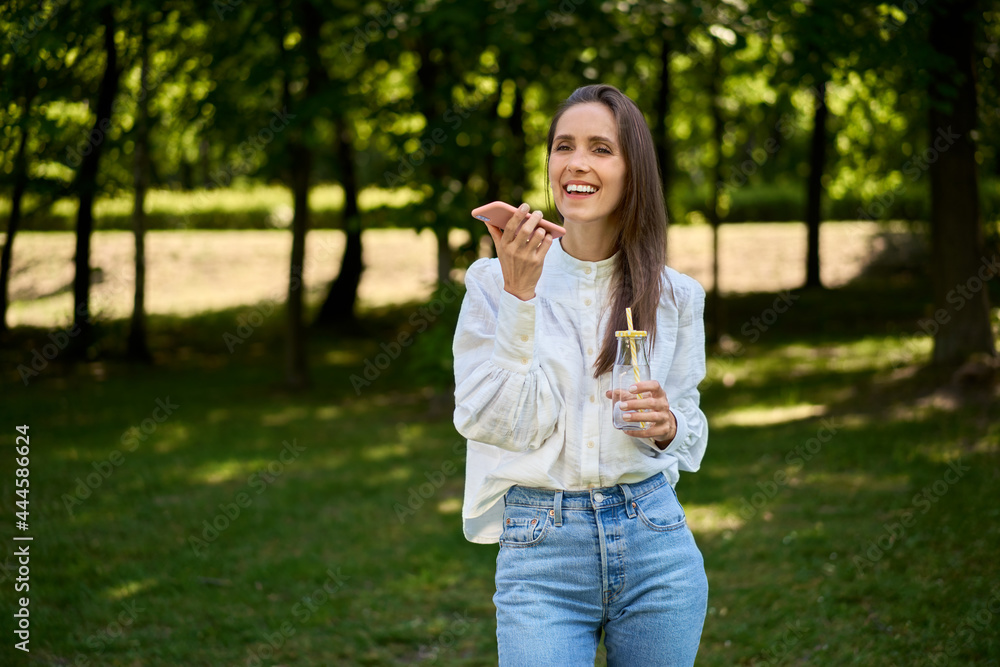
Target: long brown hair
{"type": "Point", "coordinates": [641, 217]}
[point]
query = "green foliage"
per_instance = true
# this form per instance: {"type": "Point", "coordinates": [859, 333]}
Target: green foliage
{"type": "Point", "coordinates": [785, 202]}
{"type": "Point", "coordinates": [453, 102]}
{"type": "Point", "coordinates": [255, 207]}
{"type": "Point", "coordinates": [429, 361]}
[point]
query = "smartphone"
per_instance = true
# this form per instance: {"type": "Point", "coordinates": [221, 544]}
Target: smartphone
{"type": "Point", "coordinates": [499, 213]}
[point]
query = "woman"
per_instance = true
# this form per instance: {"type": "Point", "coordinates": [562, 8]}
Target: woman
{"type": "Point", "coordinates": [592, 536]}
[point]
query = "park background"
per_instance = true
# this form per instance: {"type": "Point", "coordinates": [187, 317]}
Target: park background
{"type": "Point", "coordinates": [235, 240]}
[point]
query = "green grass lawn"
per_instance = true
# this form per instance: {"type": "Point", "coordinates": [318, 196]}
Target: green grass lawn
{"type": "Point", "coordinates": [250, 526]}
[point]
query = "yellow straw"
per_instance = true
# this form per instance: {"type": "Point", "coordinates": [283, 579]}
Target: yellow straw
{"type": "Point", "coordinates": [631, 344]}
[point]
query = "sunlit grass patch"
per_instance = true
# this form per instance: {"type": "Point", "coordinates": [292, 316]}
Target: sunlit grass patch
{"type": "Point", "coordinates": [764, 416]}
{"type": "Point", "coordinates": [129, 589]}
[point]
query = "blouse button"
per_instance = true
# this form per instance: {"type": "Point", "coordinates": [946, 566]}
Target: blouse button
{"type": "Point", "coordinates": [590, 350]}
{"type": "Point", "coordinates": [590, 444]}
{"type": "Point", "coordinates": [524, 338]}
{"type": "Point", "coordinates": [524, 360]}
{"type": "Point", "coordinates": [592, 399]}
{"type": "Point", "coordinates": [586, 302]}
{"type": "Point", "coordinates": [587, 270]}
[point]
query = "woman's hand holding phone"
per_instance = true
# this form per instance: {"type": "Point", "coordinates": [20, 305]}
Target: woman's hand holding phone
{"type": "Point", "coordinates": [521, 250]}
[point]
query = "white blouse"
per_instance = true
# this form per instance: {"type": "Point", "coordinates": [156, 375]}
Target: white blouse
{"type": "Point", "coordinates": [526, 397]}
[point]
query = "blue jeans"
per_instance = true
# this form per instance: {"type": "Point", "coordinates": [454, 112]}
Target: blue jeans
{"type": "Point", "coordinates": [619, 558]}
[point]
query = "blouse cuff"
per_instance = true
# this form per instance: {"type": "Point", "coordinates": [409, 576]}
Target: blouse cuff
{"type": "Point", "coordinates": [514, 343]}
{"type": "Point", "coordinates": [679, 436]}
{"type": "Point", "coordinates": [682, 434]}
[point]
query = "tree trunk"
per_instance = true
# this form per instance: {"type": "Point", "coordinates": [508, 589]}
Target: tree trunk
{"type": "Point", "coordinates": [204, 165]}
{"type": "Point", "coordinates": [444, 255]}
{"type": "Point", "coordinates": [339, 306]}
{"type": "Point", "coordinates": [137, 348]}
{"type": "Point", "coordinates": [661, 135]}
{"type": "Point", "coordinates": [297, 369]}
{"type": "Point", "coordinates": [87, 189]}
{"type": "Point", "coordinates": [493, 192]}
{"type": "Point", "coordinates": [814, 187]}
{"type": "Point", "coordinates": [442, 227]}
{"type": "Point", "coordinates": [432, 103]}
{"type": "Point", "coordinates": [718, 126]}
{"type": "Point", "coordinates": [518, 151]}
{"type": "Point", "coordinates": [17, 196]}
{"type": "Point", "coordinates": [961, 321]}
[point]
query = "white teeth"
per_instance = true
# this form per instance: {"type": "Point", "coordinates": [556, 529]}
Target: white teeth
{"type": "Point", "coordinates": [573, 187]}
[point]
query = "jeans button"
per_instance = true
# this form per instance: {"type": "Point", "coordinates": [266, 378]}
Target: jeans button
{"type": "Point", "coordinates": [598, 497]}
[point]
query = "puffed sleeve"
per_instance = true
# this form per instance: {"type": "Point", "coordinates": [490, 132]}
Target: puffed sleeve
{"type": "Point", "coordinates": [687, 370]}
{"type": "Point", "coordinates": [502, 396]}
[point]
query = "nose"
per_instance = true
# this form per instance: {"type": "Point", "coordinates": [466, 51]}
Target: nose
{"type": "Point", "coordinates": [578, 162]}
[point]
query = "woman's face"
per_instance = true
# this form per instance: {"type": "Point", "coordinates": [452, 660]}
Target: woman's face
{"type": "Point", "coordinates": [587, 158]}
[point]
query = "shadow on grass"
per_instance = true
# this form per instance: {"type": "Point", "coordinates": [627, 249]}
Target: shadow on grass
{"type": "Point", "coordinates": [324, 527]}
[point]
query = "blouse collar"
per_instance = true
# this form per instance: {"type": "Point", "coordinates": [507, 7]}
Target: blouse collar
{"type": "Point", "coordinates": [600, 269]}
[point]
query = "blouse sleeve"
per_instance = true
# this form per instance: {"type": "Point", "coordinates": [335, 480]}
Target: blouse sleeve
{"type": "Point", "coordinates": [687, 370]}
{"type": "Point", "coordinates": [502, 395]}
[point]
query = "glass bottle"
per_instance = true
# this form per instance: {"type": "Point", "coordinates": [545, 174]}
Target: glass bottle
{"type": "Point", "coordinates": [631, 366]}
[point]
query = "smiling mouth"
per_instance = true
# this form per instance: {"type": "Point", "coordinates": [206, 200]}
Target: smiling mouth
{"type": "Point", "coordinates": [580, 190]}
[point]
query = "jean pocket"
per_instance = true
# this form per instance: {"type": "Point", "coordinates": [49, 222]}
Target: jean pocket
{"type": "Point", "coordinates": [524, 526]}
{"type": "Point", "coordinates": [660, 510]}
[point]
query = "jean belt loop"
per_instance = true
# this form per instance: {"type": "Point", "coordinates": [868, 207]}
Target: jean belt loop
{"type": "Point", "coordinates": [629, 504]}
{"type": "Point", "coordinates": [557, 508]}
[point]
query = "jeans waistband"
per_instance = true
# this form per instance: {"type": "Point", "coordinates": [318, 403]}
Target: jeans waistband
{"type": "Point", "coordinates": [601, 497]}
